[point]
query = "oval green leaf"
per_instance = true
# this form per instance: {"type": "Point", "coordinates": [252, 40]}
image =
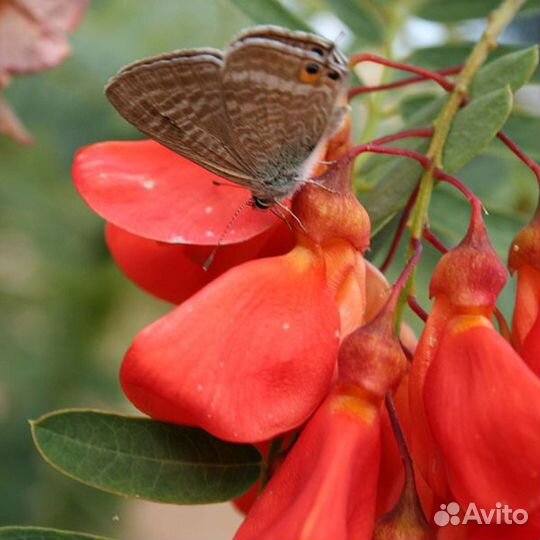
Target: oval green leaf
{"type": "Point", "coordinates": [453, 55]}
{"type": "Point", "coordinates": [475, 126]}
{"type": "Point", "coordinates": [363, 18]}
{"type": "Point", "coordinates": [141, 458]}
{"type": "Point", "coordinates": [459, 10]}
{"type": "Point", "coordinates": [271, 12]}
{"type": "Point", "coordinates": [41, 533]}
{"type": "Point", "coordinates": [514, 69]}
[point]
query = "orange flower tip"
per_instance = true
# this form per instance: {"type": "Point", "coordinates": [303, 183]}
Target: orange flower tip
{"type": "Point", "coordinates": [327, 214]}
{"type": "Point", "coordinates": [471, 274]}
{"type": "Point", "coordinates": [371, 357]}
{"type": "Point", "coordinates": [525, 249]}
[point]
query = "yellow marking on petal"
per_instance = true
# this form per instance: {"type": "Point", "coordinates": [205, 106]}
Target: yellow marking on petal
{"type": "Point", "coordinates": [356, 402]}
{"type": "Point", "coordinates": [465, 323]}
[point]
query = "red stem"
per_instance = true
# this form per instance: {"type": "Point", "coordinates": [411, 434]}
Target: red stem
{"type": "Point", "coordinates": [375, 148]}
{"type": "Point", "coordinates": [476, 203]}
{"type": "Point", "coordinates": [434, 241]}
{"type": "Point", "coordinates": [400, 231]}
{"type": "Point", "coordinates": [398, 84]}
{"type": "Point", "coordinates": [410, 133]}
{"type": "Point", "coordinates": [425, 73]}
{"type": "Point", "coordinates": [415, 306]}
{"type": "Point", "coordinates": [535, 167]}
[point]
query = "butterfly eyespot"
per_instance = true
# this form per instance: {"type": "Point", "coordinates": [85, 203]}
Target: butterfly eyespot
{"type": "Point", "coordinates": [318, 50]}
{"type": "Point", "coordinates": [334, 75]}
{"type": "Point", "coordinates": [311, 73]}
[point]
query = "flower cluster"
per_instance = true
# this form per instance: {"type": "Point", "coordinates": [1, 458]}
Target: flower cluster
{"type": "Point", "coordinates": [289, 342]}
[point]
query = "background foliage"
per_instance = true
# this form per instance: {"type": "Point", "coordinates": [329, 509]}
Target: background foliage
{"type": "Point", "coordinates": [66, 313]}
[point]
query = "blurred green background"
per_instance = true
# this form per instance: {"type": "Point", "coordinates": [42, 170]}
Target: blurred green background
{"type": "Point", "coordinates": [67, 314]}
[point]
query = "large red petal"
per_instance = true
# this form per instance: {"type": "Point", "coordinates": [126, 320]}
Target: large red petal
{"type": "Point", "coordinates": [483, 406]}
{"type": "Point", "coordinates": [326, 488]}
{"type": "Point", "coordinates": [173, 272]}
{"type": "Point", "coordinates": [249, 356]}
{"type": "Point", "coordinates": [151, 191]}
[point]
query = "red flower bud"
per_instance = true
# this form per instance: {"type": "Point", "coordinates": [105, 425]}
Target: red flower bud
{"type": "Point", "coordinates": [471, 274]}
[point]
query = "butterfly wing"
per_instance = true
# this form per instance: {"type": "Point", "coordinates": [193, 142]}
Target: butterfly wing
{"type": "Point", "coordinates": [278, 114]}
{"type": "Point", "coordinates": [176, 99]}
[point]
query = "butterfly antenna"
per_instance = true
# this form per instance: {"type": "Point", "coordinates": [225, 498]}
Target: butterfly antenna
{"type": "Point", "coordinates": [279, 214]}
{"type": "Point", "coordinates": [292, 214]}
{"type": "Point", "coordinates": [206, 265]}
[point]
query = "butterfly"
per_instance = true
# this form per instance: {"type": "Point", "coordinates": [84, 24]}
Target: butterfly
{"type": "Point", "coordinates": [257, 113]}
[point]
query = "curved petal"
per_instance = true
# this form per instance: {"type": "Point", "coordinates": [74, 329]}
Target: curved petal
{"type": "Point", "coordinates": [483, 406]}
{"type": "Point", "coordinates": [531, 348]}
{"type": "Point", "coordinates": [527, 307]}
{"type": "Point", "coordinates": [327, 487]}
{"type": "Point", "coordinates": [173, 272]}
{"type": "Point", "coordinates": [151, 191]}
{"type": "Point", "coordinates": [249, 356]}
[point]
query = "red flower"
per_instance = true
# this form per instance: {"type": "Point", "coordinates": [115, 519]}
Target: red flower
{"type": "Point", "coordinates": [467, 279]}
{"type": "Point", "coordinates": [476, 404]}
{"type": "Point", "coordinates": [524, 260]}
{"type": "Point", "coordinates": [483, 406]}
{"type": "Point", "coordinates": [327, 486]}
{"type": "Point", "coordinates": [252, 353]}
{"type": "Point", "coordinates": [166, 214]}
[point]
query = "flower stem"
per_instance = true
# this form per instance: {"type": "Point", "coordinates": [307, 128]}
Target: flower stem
{"type": "Point", "coordinates": [497, 21]}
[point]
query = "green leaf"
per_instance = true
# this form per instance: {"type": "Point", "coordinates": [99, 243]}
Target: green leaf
{"type": "Point", "coordinates": [41, 533]}
{"type": "Point", "coordinates": [271, 12]}
{"type": "Point", "coordinates": [362, 17]}
{"type": "Point", "coordinates": [409, 106]}
{"type": "Point", "coordinates": [514, 69]}
{"type": "Point", "coordinates": [459, 10]}
{"type": "Point", "coordinates": [453, 55]}
{"type": "Point", "coordinates": [475, 126]}
{"type": "Point", "coordinates": [138, 457]}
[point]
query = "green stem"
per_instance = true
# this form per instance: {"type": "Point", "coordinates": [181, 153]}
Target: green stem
{"type": "Point", "coordinates": [497, 21]}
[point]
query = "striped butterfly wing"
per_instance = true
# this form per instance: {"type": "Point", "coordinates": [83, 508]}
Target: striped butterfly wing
{"type": "Point", "coordinates": [176, 99]}
{"type": "Point", "coordinates": [278, 113]}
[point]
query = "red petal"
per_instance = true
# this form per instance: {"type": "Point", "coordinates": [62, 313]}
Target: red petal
{"type": "Point", "coordinates": [175, 272]}
{"type": "Point", "coordinates": [527, 307]}
{"type": "Point", "coordinates": [249, 356]}
{"type": "Point", "coordinates": [326, 489]}
{"type": "Point", "coordinates": [483, 405]}
{"type": "Point", "coordinates": [531, 348]}
{"type": "Point", "coordinates": [150, 191]}
{"type": "Point", "coordinates": [426, 454]}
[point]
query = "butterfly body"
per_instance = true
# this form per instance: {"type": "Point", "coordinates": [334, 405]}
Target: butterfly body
{"type": "Point", "coordinates": [257, 114]}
